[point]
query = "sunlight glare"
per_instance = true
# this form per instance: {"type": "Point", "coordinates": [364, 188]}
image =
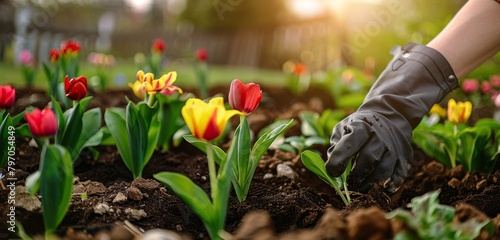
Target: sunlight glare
{"type": "Point", "coordinates": [140, 6]}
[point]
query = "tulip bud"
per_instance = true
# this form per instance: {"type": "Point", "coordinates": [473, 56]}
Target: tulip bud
{"type": "Point", "coordinates": [42, 123]}
{"type": "Point", "coordinates": [201, 55]}
{"type": "Point", "coordinates": [158, 46]}
{"type": "Point", "coordinates": [7, 96]}
{"type": "Point", "coordinates": [244, 97]}
{"type": "Point", "coordinates": [75, 89]}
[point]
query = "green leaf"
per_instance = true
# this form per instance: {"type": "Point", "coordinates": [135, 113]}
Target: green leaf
{"type": "Point", "coordinates": [170, 119]}
{"type": "Point", "coordinates": [56, 182]}
{"type": "Point", "coordinates": [138, 139]}
{"type": "Point", "coordinates": [61, 120]}
{"type": "Point", "coordinates": [190, 193]}
{"type": "Point", "coordinates": [259, 149]}
{"type": "Point", "coordinates": [73, 129]}
{"type": "Point", "coordinates": [310, 126]}
{"type": "Point", "coordinates": [90, 134]}
{"type": "Point", "coordinates": [240, 154]}
{"type": "Point", "coordinates": [315, 164]}
{"type": "Point", "coordinates": [219, 154]}
{"type": "Point", "coordinates": [115, 121]}
{"type": "Point", "coordinates": [32, 182]}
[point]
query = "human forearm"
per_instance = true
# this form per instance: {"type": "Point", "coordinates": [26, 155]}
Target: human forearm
{"type": "Point", "coordinates": [471, 37]}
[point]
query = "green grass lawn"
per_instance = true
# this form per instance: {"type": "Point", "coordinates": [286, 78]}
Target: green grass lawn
{"type": "Point", "coordinates": [10, 74]}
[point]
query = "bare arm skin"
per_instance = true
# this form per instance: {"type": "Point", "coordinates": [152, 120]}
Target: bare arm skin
{"type": "Point", "coordinates": [471, 37]}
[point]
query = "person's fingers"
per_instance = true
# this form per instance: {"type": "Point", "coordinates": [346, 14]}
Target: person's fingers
{"type": "Point", "coordinates": [367, 161]}
{"type": "Point", "coordinates": [398, 176]}
{"type": "Point", "coordinates": [351, 138]}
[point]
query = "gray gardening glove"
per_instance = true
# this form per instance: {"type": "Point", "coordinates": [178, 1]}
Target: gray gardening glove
{"type": "Point", "coordinates": [378, 135]}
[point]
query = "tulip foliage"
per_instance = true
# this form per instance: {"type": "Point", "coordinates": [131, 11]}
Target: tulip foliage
{"type": "Point", "coordinates": [78, 128]}
{"type": "Point", "coordinates": [454, 142]}
{"type": "Point", "coordinates": [244, 99]}
{"type": "Point", "coordinates": [135, 131]}
{"type": "Point", "coordinates": [206, 122]}
{"type": "Point", "coordinates": [54, 179]}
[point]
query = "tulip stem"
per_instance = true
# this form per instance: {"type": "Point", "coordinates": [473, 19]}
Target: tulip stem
{"type": "Point", "coordinates": [211, 171]}
{"type": "Point", "coordinates": [151, 100]}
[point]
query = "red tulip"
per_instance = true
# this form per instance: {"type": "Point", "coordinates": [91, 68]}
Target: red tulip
{"type": "Point", "coordinates": [70, 46]}
{"type": "Point", "coordinates": [54, 55]}
{"type": "Point", "coordinates": [201, 54]}
{"type": "Point", "coordinates": [158, 46]}
{"type": "Point", "coordinates": [42, 123]}
{"type": "Point", "coordinates": [7, 96]}
{"type": "Point", "coordinates": [244, 97]}
{"type": "Point", "coordinates": [75, 89]}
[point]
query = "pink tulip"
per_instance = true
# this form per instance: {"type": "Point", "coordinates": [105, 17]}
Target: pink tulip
{"type": "Point", "coordinates": [470, 85]}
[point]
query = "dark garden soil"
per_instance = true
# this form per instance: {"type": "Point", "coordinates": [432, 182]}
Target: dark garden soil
{"type": "Point", "coordinates": [277, 207]}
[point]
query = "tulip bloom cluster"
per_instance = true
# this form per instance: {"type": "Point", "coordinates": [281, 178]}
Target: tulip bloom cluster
{"type": "Point", "coordinates": [453, 142]}
{"type": "Point", "coordinates": [146, 83]}
{"type": "Point", "coordinates": [481, 92]}
{"type": "Point", "coordinates": [63, 62]}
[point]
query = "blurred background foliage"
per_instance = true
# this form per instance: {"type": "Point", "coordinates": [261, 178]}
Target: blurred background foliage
{"type": "Point", "coordinates": [250, 34]}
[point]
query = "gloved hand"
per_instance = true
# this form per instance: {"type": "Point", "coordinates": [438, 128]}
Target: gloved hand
{"type": "Point", "coordinates": [378, 136]}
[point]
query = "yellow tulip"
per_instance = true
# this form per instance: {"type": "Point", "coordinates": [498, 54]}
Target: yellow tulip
{"type": "Point", "coordinates": [138, 89]}
{"type": "Point", "coordinates": [206, 121]}
{"type": "Point", "coordinates": [437, 109]}
{"type": "Point", "coordinates": [459, 112]}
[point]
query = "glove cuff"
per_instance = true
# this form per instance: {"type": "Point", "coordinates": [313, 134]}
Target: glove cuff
{"type": "Point", "coordinates": [435, 62]}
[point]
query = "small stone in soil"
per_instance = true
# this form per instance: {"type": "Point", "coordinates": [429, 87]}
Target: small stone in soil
{"type": "Point", "coordinates": [94, 188]}
{"type": "Point", "coordinates": [134, 193]}
{"type": "Point", "coordinates": [27, 201]}
{"type": "Point", "coordinates": [155, 234]}
{"type": "Point", "coordinates": [120, 198]}
{"type": "Point", "coordinates": [135, 214]}
{"type": "Point", "coordinates": [268, 176]}
{"type": "Point", "coordinates": [101, 208]}
{"type": "Point", "coordinates": [284, 170]}
{"type": "Point", "coordinates": [145, 185]}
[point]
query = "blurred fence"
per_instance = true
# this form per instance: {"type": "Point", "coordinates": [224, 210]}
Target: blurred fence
{"type": "Point", "coordinates": [252, 48]}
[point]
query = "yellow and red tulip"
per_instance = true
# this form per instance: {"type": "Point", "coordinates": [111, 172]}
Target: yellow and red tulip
{"type": "Point", "coordinates": [42, 123]}
{"type": "Point", "coordinates": [76, 88]}
{"type": "Point", "coordinates": [459, 112]}
{"type": "Point", "coordinates": [7, 96]}
{"type": "Point", "coordinates": [54, 55]}
{"type": "Point", "coordinates": [244, 97]}
{"type": "Point", "coordinates": [206, 121]}
{"type": "Point", "coordinates": [70, 47]}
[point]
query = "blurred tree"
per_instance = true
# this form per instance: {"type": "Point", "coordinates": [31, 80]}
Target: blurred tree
{"type": "Point", "coordinates": [235, 14]}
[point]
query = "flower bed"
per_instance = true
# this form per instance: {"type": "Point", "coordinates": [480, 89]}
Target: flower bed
{"type": "Point", "coordinates": [105, 196]}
